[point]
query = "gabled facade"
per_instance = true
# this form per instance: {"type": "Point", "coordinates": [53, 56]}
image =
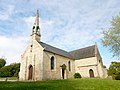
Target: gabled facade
{"type": "Point", "coordinates": [41, 61]}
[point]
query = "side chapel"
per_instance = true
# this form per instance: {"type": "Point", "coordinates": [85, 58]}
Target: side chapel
{"type": "Point", "coordinates": [41, 61]}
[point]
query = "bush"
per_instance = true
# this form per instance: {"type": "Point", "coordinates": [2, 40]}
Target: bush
{"type": "Point", "coordinates": [117, 77]}
{"type": "Point", "coordinates": [77, 75]}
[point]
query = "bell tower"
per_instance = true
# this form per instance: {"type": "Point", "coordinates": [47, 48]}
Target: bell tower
{"type": "Point", "coordinates": [36, 29]}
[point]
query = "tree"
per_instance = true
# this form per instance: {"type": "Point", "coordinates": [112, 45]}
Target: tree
{"type": "Point", "coordinates": [2, 62]}
{"type": "Point", "coordinates": [111, 37]}
{"type": "Point", "coordinates": [114, 70]}
{"type": "Point", "coordinates": [11, 70]}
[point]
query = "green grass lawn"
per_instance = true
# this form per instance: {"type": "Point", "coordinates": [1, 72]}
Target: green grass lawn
{"type": "Point", "coordinates": [70, 84]}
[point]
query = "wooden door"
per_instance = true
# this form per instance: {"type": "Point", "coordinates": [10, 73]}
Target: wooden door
{"type": "Point", "coordinates": [63, 73]}
{"type": "Point", "coordinates": [30, 72]}
{"type": "Point", "coordinates": [91, 72]}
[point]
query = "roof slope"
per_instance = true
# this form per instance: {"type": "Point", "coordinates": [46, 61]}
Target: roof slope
{"type": "Point", "coordinates": [76, 54]}
{"type": "Point", "coordinates": [84, 52]}
{"type": "Point", "coordinates": [56, 50]}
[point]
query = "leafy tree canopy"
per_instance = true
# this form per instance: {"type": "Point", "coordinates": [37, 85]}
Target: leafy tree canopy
{"type": "Point", "coordinates": [114, 69]}
{"type": "Point", "coordinates": [11, 70]}
{"type": "Point", "coordinates": [2, 62]}
{"type": "Point", "coordinates": [111, 37]}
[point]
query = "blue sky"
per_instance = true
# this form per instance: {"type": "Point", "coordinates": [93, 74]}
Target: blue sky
{"type": "Point", "coordinates": [66, 24]}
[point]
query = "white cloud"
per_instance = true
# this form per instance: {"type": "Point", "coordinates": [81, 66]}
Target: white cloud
{"type": "Point", "coordinates": [6, 12]}
{"type": "Point", "coordinates": [68, 24]}
{"type": "Point", "coordinates": [29, 21]}
{"type": "Point", "coordinates": [12, 48]}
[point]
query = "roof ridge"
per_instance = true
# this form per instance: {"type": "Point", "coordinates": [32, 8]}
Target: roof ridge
{"type": "Point", "coordinates": [83, 52]}
{"type": "Point", "coordinates": [54, 47]}
{"type": "Point", "coordinates": [56, 50]}
{"type": "Point", "coordinates": [76, 54]}
{"type": "Point", "coordinates": [82, 48]}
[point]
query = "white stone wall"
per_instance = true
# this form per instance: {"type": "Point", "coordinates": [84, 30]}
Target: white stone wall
{"type": "Point", "coordinates": [32, 56]}
{"type": "Point", "coordinates": [100, 69]}
{"type": "Point", "coordinates": [84, 65]}
{"type": "Point", "coordinates": [99, 64]}
{"type": "Point", "coordinates": [105, 72]}
{"type": "Point", "coordinates": [95, 63]}
{"type": "Point", "coordinates": [56, 73]}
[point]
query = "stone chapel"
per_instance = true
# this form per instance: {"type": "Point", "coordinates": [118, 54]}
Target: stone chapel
{"type": "Point", "coordinates": [41, 61]}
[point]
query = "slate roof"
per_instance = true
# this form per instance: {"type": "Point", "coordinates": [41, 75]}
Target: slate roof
{"type": "Point", "coordinates": [55, 50]}
{"type": "Point", "coordinates": [84, 52]}
{"type": "Point", "coordinates": [76, 54]}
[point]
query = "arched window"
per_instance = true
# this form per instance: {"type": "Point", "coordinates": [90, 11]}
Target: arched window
{"type": "Point", "coordinates": [33, 27]}
{"type": "Point", "coordinates": [99, 61]}
{"type": "Point", "coordinates": [52, 63]}
{"type": "Point", "coordinates": [37, 27]}
{"type": "Point", "coordinates": [69, 66]}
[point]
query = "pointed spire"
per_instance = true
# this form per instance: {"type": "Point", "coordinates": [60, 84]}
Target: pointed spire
{"type": "Point", "coordinates": [36, 28]}
{"type": "Point", "coordinates": [37, 19]}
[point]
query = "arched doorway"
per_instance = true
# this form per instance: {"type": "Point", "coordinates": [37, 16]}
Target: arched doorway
{"type": "Point", "coordinates": [30, 72]}
{"type": "Point", "coordinates": [63, 72]}
{"type": "Point", "coordinates": [91, 72]}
